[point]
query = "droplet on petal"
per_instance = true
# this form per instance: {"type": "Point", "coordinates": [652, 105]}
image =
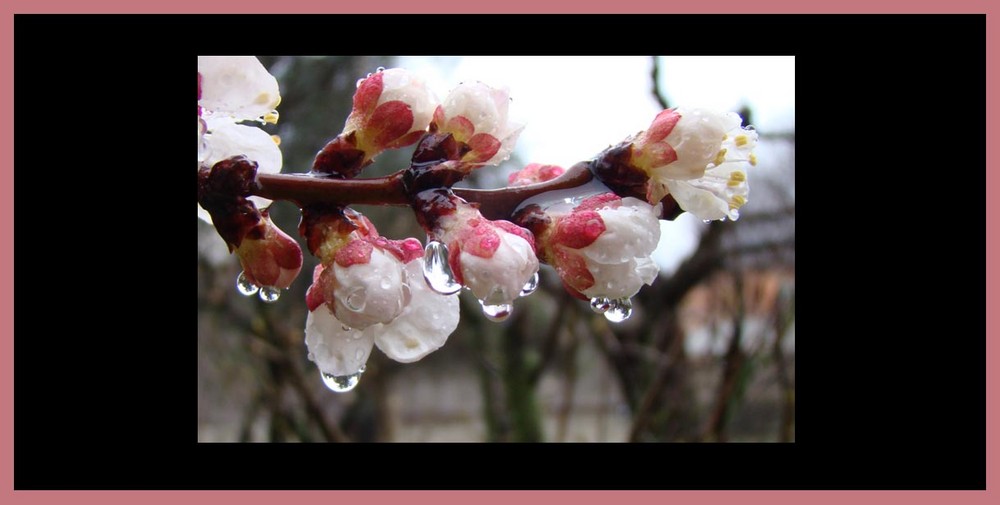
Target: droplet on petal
{"type": "Point", "coordinates": [269, 294]}
{"type": "Point", "coordinates": [356, 300]}
{"type": "Point", "coordinates": [342, 383]}
{"type": "Point", "coordinates": [531, 286]}
{"type": "Point", "coordinates": [437, 272]}
{"type": "Point", "coordinates": [245, 287]}
{"type": "Point", "coordinates": [620, 310]}
{"type": "Point", "coordinates": [600, 304]}
{"type": "Point", "coordinates": [497, 313]}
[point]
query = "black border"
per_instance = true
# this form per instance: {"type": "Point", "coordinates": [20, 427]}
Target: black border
{"type": "Point", "coordinates": [891, 383]}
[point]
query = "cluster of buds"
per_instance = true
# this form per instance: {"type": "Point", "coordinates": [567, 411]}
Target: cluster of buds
{"type": "Point", "coordinates": [596, 224]}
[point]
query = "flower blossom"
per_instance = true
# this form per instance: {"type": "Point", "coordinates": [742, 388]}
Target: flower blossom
{"type": "Point", "coordinates": [700, 158]}
{"type": "Point", "coordinates": [476, 115]}
{"type": "Point", "coordinates": [494, 259]}
{"type": "Point", "coordinates": [269, 257]}
{"type": "Point", "coordinates": [373, 293]}
{"type": "Point", "coordinates": [534, 173]}
{"type": "Point", "coordinates": [233, 89]}
{"type": "Point", "coordinates": [601, 247]}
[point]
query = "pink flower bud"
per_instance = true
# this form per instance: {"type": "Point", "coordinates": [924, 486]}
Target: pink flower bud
{"type": "Point", "coordinates": [534, 173]}
{"type": "Point", "coordinates": [494, 259]}
{"type": "Point", "coordinates": [476, 115]}
{"type": "Point", "coordinates": [392, 109]}
{"type": "Point", "coordinates": [270, 258]}
{"type": "Point", "coordinates": [601, 247]}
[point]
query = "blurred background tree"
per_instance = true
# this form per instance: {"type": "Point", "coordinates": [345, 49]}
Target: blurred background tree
{"type": "Point", "coordinates": [708, 354]}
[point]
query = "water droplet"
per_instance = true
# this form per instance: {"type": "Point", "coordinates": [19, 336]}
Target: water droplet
{"type": "Point", "coordinates": [345, 327]}
{"type": "Point", "coordinates": [706, 221]}
{"type": "Point", "coordinates": [497, 313]}
{"type": "Point", "coordinates": [384, 283]}
{"type": "Point", "coordinates": [269, 294]}
{"type": "Point", "coordinates": [311, 357]}
{"type": "Point", "coordinates": [245, 287]}
{"type": "Point", "coordinates": [531, 286]}
{"type": "Point", "coordinates": [358, 83]}
{"type": "Point", "coordinates": [620, 310]}
{"type": "Point", "coordinates": [600, 304]}
{"type": "Point", "coordinates": [342, 383]}
{"type": "Point", "coordinates": [359, 354]}
{"type": "Point", "coordinates": [380, 69]}
{"type": "Point", "coordinates": [356, 300]}
{"type": "Point", "coordinates": [437, 272]}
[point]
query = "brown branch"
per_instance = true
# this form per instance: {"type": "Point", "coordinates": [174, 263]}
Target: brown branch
{"type": "Point", "coordinates": [304, 189]}
{"type": "Point", "coordinates": [716, 426]}
{"type": "Point", "coordinates": [660, 99]}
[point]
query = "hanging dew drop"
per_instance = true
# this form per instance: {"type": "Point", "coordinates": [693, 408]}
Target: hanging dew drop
{"type": "Point", "coordinates": [620, 310]}
{"type": "Point", "coordinates": [342, 383]}
{"type": "Point", "coordinates": [358, 83]}
{"type": "Point", "coordinates": [497, 313]}
{"type": "Point", "coordinates": [245, 287]}
{"type": "Point", "coordinates": [437, 272]}
{"type": "Point", "coordinates": [380, 69]}
{"type": "Point", "coordinates": [531, 286]}
{"type": "Point", "coordinates": [600, 304]}
{"type": "Point", "coordinates": [269, 294]}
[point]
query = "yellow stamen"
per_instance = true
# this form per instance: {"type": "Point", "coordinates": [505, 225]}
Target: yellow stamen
{"type": "Point", "coordinates": [736, 178]}
{"type": "Point", "coordinates": [276, 139]}
{"type": "Point", "coordinates": [271, 117]}
{"type": "Point", "coordinates": [741, 140]}
{"type": "Point", "coordinates": [719, 158]}
{"type": "Point", "coordinates": [737, 202]}
{"type": "Point", "coordinates": [753, 159]}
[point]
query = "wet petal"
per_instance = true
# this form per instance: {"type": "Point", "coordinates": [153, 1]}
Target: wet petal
{"type": "Point", "coordinates": [336, 350]}
{"type": "Point", "coordinates": [236, 86]}
{"type": "Point", "coordinates": [423, 326]}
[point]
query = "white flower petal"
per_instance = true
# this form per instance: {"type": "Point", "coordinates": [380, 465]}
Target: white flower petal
{"type": "Point", "coordinates": [508, 139]}
{"type": "Point", "coordinates": [370, 293]}
{"type": "Point", "coordinates": [236, 86]}
{"type": "Point", "coordinates": [700, 202]}
{"type": "Point", "coordinates": [423, 326]}
{"type": "Point", "coordinates": [499, 280]}
{"type": "Point", "coordinates": [204, 215]}
{"type": "Point", "coordinates": [335, 350]}
{"type": "Point", "coordinates": [697, 139]}
{"type": "Point", "coordinates": [621, 280]}
{"type": "Point", "coordinates": [399, 84]}
{"type": "Point", "coordinates": [631, 230]}
{"type": "Point", "coordinates": [226, 139]}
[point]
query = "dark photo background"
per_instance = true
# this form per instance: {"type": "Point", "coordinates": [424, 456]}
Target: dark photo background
{"type": "Point", "coordinates": [883, 377]}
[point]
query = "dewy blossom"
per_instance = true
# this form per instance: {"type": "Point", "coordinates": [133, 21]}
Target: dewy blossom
{"type": "Point", "coordinates": [233, 89]}
{"type": "Point", "coordinates": [476, 115]}
{"type": "Point", "coordinates": [374, 294]}
{"type": "Point", "coordinates": [269, 257]}
{"type": "Point", "coordinates": [601, 246]}
{"type": "Point", "coordinates": [534, 173]}
{"type": "Point", "coordinates": [699, 157]}
{"type": "Point", "coordinates": [392, 108]}
{"type": "Point", "coordinates": [494, 259]}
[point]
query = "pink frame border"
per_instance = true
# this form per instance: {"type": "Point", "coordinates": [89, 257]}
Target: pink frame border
{"type": "Point", "coordinates": [11, 7]}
